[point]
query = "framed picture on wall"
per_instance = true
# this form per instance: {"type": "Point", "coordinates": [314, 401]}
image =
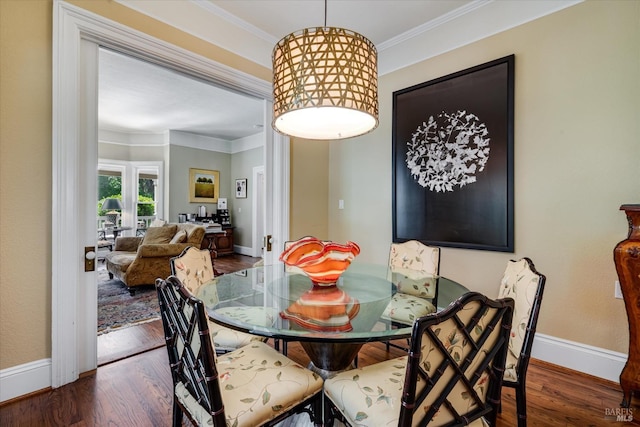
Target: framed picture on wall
{"type": "Point", "coordinates": [453, 159]}
{"type": "Point", "coordinates": [241, 188]}
{"type": "Point", "coordinates": [204, 185]}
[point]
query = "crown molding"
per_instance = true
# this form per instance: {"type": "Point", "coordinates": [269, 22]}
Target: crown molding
{"type": "Point", "coordinates": [467, 24]}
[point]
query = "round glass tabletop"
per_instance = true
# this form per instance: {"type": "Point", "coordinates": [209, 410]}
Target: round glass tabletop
{"type": "Point", "coordinates": [281, 302]}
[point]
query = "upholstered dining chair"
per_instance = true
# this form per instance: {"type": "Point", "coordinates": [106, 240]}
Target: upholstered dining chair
{"type": "Point", "coordinates": [414, 268]}
{"type": "Point", "coordinates": [525, 285]}
{"type": "Point", "coordinates": [252, 386]}
{"type": "Point", "coordinates": [451, 376]}
{"type": "Point", "coordinates": [193, 268]}
{"type": "Point", "coordinates": [283, 346]}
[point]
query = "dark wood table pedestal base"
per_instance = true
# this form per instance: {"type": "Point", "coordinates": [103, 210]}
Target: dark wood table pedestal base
{"type": "Point", "coordinates": [329, 358]}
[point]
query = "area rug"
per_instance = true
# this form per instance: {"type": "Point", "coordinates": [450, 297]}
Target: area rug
{"type": "Point", "coordinates": [118, 309]}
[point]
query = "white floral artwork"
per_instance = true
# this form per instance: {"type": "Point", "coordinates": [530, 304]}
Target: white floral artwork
{"type": "Point", "coordinates": [446, 152]}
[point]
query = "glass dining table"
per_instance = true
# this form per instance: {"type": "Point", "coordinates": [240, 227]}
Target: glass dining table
{"type": "Point", "coordinates": [331, 323]}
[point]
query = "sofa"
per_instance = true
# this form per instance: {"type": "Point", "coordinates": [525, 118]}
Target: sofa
{"type": "Point", "coordinates": [140, 260]}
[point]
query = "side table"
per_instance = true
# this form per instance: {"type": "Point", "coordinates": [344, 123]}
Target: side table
{"type": "Point", "coordinates": [219, 243]}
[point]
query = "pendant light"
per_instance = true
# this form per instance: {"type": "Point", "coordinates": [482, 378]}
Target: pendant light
{"type": "Point", "coordinates": [325, 83]}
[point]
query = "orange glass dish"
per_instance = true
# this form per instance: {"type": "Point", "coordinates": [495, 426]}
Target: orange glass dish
{"type": "Point", "coordinates": [323, 262]}
{"type": "Point", "coordinates": [323, 308]}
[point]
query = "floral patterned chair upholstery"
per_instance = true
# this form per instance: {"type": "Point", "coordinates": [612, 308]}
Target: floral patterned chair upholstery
{"type": "Point", "coordinates": [525, 285]}
{"type": "Point", "coordinates": [193, 267]}
{"type": "Point", "coordinates": [251, 386]}
{"type": "Point", "coordinates": [414, 268]}
{"type": "Point", "coordinates": [452, 376]}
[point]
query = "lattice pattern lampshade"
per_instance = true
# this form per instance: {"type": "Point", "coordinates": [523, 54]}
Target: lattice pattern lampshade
{"type": "Point", "coordinates": [325, 84]}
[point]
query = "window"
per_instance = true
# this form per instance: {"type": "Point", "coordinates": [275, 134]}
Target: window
{"type": "Point", "coordinates": [138, 185]}
{"type": "Point", "coordinates": [109, 187]}
{"type": "Point", "coordinates": [147, 205]}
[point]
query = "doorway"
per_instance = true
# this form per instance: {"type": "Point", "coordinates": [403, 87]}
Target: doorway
{"type": "Point", "coordinates": [140, 106]}
{"type": "Point", "coordinates": [74, 152]}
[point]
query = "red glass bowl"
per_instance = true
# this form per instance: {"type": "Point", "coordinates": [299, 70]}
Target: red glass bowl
{"type": "Point", "coordinates": [323, 262]}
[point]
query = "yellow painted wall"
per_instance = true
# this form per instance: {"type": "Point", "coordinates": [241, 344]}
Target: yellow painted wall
{"type": "Point", "coordinates": [309, 189]}
{"type": "Point", "coordinates": [25, 181]}
{"type": "Point", "coordinates": [25, 161]}
{"type": "Point", "coordinates": [577, 159]}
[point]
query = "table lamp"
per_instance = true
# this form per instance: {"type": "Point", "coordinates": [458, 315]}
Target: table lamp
{"type": "Point", "coordinates": [111, 205]}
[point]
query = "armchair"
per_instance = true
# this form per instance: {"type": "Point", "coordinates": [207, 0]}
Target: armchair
{"type": "Point", "coordinates": [140, 260]}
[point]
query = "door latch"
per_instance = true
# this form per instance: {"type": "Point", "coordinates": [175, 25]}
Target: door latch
{"type": "Point", "coordinates": [89, 258]}
{"type": "Point", "coordinates": [267, 240]}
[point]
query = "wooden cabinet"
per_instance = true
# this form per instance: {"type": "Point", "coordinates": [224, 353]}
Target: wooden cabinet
{"type": "Point", "coordinates": [627, 259]}
{"type": "Point", "coordinates": [219, 243]}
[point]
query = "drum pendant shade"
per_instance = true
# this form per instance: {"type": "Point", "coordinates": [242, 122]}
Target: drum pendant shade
{"type": "Point", "coordinates": [325, 84]}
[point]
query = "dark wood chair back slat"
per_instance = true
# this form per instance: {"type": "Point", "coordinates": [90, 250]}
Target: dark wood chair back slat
{"type": "Point", "coordinates": [456, 363]}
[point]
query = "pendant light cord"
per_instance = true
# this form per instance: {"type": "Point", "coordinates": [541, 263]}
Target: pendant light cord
{"type": "Point", "coordinates": [325, 13]}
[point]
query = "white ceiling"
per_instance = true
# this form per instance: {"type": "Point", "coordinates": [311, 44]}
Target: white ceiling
{"type": "Point", "coordinates": [138, 97]}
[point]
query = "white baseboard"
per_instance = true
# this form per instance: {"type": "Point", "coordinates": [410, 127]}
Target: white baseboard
{"type": "Point", "coordinates": [584, 358]}
{"type": "Point", "coordinates": [30, 377]}
{"type": "Point", "coordinates": [24, 379]}
{"type": "Point", "coordinates": [243, 250]}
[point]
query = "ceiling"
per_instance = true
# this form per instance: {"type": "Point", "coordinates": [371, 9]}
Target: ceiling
{"type": "Point", "coordinates": [138, 97]}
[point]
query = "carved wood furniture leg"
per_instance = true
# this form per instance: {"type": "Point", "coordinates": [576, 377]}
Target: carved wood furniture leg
{"type": "Point", "coordinates": [626, 256]}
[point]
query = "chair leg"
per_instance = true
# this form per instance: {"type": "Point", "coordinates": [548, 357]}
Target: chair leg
{"type": "Point", "coordinates": [177, 414]}
{"type": "Point", "coordinates": [276, 345]}
{"type": "Point", "coordinates": [521, 405]}
{"type": "Point", "coordinates": [327, 406]}
{"type": "Point", "coordinates": [317, 416]}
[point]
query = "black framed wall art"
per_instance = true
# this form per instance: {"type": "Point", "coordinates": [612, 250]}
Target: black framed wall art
{"type": "Point", "coordinates": [241, 188]}
{"type": "Point", "coordinates": [453, 159]}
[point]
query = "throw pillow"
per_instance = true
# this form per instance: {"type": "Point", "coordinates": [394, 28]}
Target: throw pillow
{"type": "Point", "coordinates": [180, 237]}
{"type": "Point", "coordinates": [157, 223]}
{"type": "Point", "coordinates": [159, 235]}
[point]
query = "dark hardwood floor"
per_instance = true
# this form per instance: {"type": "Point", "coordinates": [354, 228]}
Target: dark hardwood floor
{"type": "Point", "coordinates": [119, 344]}
{"type": "Point", "coordinates": [136, 390]}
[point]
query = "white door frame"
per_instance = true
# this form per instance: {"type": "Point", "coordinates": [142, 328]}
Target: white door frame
{"type": "Point", "coordinates": [74, 160]}
{"type": "Point", "coordinates": [257, 216]}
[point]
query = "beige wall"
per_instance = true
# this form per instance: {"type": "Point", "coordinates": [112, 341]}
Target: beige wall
{"type": "Point", "coordinates": [25, 181]}
{"type": "Point", "coordinates": [577, 159]}
{"type": "Point", "coordinates": [181, 159]}
{"type": "Point", "coordinates": [241, 210]}
{"type": "Point", "coordinates": [309, 189]}
{"type": "Point", "coordinates": [25, 161]}
{"type": "Point", "coordinates": [132, 153]}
